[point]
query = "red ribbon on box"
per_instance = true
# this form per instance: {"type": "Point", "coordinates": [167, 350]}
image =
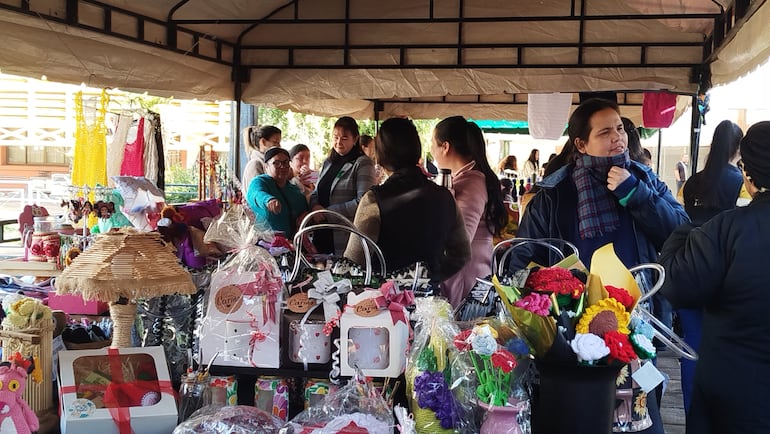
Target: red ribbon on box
{"type": "Point", "coordinates": [118, 390]}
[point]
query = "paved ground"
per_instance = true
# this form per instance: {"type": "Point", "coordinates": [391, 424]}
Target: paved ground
{"type": "Point", "coordinates": [672, 407]}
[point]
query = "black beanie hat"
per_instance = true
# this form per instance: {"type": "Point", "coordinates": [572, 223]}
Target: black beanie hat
{"type": "Point", "coordinates": [272, 152]}
{"type": "Point", "coordinates": [755, 153]}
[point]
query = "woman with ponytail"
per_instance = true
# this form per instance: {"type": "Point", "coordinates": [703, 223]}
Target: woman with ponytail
{"type": "Point", "coordinates": [257, 141]}
{"type": "Point", "coordinates": [459, 145]}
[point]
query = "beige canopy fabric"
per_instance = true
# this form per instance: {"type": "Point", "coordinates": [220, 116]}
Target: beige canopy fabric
{"type": "Point", "coordinates": [318, 57]}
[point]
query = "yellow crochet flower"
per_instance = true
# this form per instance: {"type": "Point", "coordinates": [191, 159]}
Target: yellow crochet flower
{"type": "Point", "coordinates": [606, 315]}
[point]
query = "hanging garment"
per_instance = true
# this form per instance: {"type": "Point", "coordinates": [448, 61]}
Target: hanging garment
{"type": "Point", "coordinates": [150, 150]}
{"type": "Point", "coordinates": [658, 109]}
{"type": "Point", "coordinates": [133, 157]}
{"type": "Point", "coordinates": [161, 154]}
{"type": "Point", "coordinates": [117, 147]}
{"type": "Point", "coordinates": [89, 166]}
{"type": "Point", "coordinates": [547, 114]}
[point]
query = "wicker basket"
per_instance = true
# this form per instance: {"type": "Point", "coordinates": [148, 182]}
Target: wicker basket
{"type": "Point", "coordinates": [38, 342]}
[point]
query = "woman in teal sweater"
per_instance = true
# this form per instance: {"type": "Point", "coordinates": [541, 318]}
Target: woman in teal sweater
{"type": "Point", "coordinates": [273, 198]}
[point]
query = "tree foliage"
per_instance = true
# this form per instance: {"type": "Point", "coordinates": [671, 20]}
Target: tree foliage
{"type": "Point", "coordinates": [316, 131]}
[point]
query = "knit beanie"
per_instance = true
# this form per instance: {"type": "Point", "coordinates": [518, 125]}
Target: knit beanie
{"type": "Point", "coordinates": [755, 153]}
{"type": "Point", "coordinates": [272, 152]}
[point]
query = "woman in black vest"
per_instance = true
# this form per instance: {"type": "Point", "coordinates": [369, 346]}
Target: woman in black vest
{"type": "Point", "coordinates": [411, 218]}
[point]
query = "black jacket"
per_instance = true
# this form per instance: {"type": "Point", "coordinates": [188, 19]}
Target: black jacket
{"type": "Point", "coordinates": [721, 267]}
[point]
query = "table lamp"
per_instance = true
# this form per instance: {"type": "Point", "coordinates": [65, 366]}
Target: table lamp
{"type": "Point", "coordinates": [120, 267]}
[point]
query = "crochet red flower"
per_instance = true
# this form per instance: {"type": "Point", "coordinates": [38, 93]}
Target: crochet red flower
{"type": "Point", "coordinates": [620, 346]}
{"type": "Point", "coordinates": [621, 295]}
{"type": "Point", "coordinates": [461, 340]}
{"type": "Point", "coordinates": [37, 250]}
{"type": "Point", "coordinates": [557, 280]}
{"type": "Point", "coordinates": [503, 360]}
{"type": "Point", "coordinates": [51, 250]}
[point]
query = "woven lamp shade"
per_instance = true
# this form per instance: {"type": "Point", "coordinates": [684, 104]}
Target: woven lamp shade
{"type": "Point", "coordinates": [125, 264]}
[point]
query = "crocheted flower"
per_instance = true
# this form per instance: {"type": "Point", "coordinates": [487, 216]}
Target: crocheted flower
{"type": "Point", "coordinates": [539, 304]}
{"type": "Point", "coordinates": [605, 316]}
{"type": "Point", "coordinates": [504, 360]}
{"type": "Point", "coordinates": [557, 280]}
{"type": "Point", "coordinates": [485, 329]}
{"type": "Point", "coordinates": [517, 346]}
{"type": "Point", "coordinates": [433, 393]}
{"type": "Point", "coordinates": [621, 295]}
{"type": "Point", "coordinates": [642, 327]}
{"type": "Point", "coordinates": [643, 346]}
{"type": "Point", "coordinates": [461, 340]}
{"type": "Point", "coordinates": [484, 345]}
{"type": "Point", "coordinates": [620, 347]}
{"type": "Point", "coordinates": [589, 347]}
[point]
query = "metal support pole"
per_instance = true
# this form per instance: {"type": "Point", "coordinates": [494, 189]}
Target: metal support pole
{"type": "Point", "coordinates": [694, 136]}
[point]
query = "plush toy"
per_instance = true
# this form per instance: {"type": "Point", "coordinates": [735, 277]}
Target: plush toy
{"type": "Point", "coordinates": [15, 415]}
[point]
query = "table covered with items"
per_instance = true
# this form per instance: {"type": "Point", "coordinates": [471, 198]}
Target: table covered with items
{"type": "Point", "coordinates": [245, 332]}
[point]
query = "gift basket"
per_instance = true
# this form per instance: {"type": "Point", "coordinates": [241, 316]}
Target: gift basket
{"type": "Point", "coordinates": [240, 419]}
{"type": "Point", "coordinates": [242, 320]}
{"type": "Point", "coordinates": [355, 408]}
{"type": "Point", "coordinates": [28, 329]}
{"type": "Point", "coordinates": [316, 292]}
{"type": "Point", "coordinates": [438, 386]}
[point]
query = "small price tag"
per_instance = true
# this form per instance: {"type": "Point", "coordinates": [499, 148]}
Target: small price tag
{"type": "Point", "coordinates": [300, 303]}
{"type": "Point", "coordinates": [367, 308]}
{"type": "Point", "coordinates": [648, 377]}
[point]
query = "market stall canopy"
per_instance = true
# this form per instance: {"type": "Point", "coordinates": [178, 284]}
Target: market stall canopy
{"type": "Point", "coordinates": [402, 57]}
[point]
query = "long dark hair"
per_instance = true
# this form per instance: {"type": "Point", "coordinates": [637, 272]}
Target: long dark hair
{"type": "Point", "coordinates": [534, 159]}
{"type": "Point", "coordinates": [397, 144]}
{"type": "Point", "coordinates": [467, 140]}
{"type": "Point", "coordinates": [579, 126]}
{"type": "Point", "coordinates": [724, 146]}
{"type": "Point", "coordinates": [635, 150]}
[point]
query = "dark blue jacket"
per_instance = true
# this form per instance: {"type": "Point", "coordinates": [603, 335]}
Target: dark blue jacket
{"type": "Point", "coordinates": [650, 214]}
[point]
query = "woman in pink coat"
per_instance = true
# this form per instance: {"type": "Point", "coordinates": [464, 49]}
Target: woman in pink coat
{"type": "Point", "coordinates": [459, 145]}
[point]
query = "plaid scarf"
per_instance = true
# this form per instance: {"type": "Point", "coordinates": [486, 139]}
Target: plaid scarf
{"type": "Point", "coordinates": [597, 207]}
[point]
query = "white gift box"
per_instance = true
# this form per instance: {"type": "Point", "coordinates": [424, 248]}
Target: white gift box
{"type": "Point", "coordinates": [244, 329]}
{"type": "Point", "coordinates": [373, 338]}
{"type": "Point", "coordinates": [81, 415]}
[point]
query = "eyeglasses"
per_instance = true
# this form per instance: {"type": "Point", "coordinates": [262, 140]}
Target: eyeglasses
{"type": "Point", "coordinates": [280, 163]}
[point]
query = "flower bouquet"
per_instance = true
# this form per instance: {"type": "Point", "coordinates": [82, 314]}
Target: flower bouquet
{"type": "Point", "coordinates": [569, 316]}
{"type": "Point", "coordinates": [499, 358]}
{"type": "Point", "coordinates": [437, 385]}
{"type": "Point", "coordinates": [579, 327]}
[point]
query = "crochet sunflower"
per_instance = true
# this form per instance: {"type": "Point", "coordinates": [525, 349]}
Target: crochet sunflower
{"type": "Point", "coordinates": [605, 316]}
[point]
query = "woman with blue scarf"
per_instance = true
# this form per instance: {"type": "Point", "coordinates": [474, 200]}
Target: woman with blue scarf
{"type": "Point", "coordinates": [600, 196]}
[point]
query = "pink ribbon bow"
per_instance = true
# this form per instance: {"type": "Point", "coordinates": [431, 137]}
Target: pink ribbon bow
{"type": "Point", "coordinates": [266, 283]}
{"type": "Point", "coordinates": [395, 301]}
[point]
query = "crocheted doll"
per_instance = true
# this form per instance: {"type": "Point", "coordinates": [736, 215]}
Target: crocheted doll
{"type": "Point", "coordinates": [15, 415]}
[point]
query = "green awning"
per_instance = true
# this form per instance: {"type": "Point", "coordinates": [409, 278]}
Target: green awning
{"type": "Point", "coordinates": [502, 126]}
